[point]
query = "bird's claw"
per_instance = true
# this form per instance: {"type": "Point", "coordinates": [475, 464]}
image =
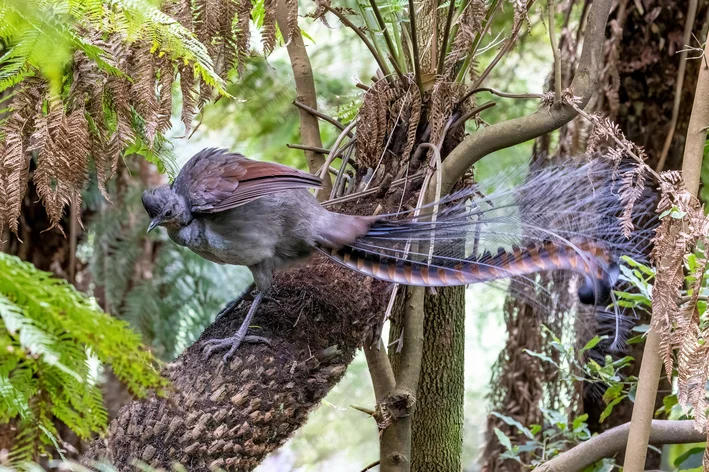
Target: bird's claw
{"type": "Point", "coordinates": [232, 342]}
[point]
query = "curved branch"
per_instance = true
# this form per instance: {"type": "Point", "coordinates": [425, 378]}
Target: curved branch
{"type": "Point", "coordinates": [611, 442]}
{"type": "Point", "coordinates": [545, 120]}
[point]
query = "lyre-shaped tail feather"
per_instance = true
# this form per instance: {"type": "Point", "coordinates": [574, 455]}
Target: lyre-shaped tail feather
{"type": "Point", "coordinates": [565, 218]}
{"type": "Point", "coordinates": [585, 258]}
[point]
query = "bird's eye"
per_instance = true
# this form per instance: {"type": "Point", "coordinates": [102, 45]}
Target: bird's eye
{"type": "Point", "coordinates": [168, 213]}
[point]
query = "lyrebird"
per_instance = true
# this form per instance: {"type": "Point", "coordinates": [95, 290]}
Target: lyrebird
{"type": "Point", "coordinates": [233, 210]}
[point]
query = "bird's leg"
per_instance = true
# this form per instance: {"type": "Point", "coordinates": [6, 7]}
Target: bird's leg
{"type": "Point", "coordinates": [233, 305]}
{"type": "Point", "coordinates": [240, 336]}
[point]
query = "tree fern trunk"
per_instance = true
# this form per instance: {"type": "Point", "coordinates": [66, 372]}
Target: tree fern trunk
{"type": "Point", "coordinates": [437, 428]}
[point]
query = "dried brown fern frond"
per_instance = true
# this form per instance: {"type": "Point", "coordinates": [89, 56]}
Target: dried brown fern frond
{"type": "Point", "coordinates": [207, 22]}
{"type": "Point", "coordinates": [166, 72]}
{"type": "Point", "coordinates": [14, 154]}
{"type": "Point", "coordinates": [321, 11]}
{"type": "Point", "coordinates": [608, 140]}
{"type": "Point", "coordinates": [228, 33]}
{"type": "Point", "coordinates": [118, 91]}
{"type": "Point", "coordinates": [182, 12]}
{"type": "Point", "coordinates": [143, 89]}
{"type": "Point", "coordinates": [188, 86]}
{"type": "Point", "coordinates": [683, 229]}
{"type": "Point", "coordinates": [268, 33]}
{"type": "Point", "coordinates": [293, 28]}
{"type": "Point", "coordinates": [521, 15]}
{"type": "Point", "coordinates": [469, 25]}
{"type": "Point", "coordinates": [415, 109]}
{"type": "Point", "coordinates": [444, 99]}
{"type": "Point", "coordinates": [243, 36]}
{"type": "Point", "coordinates": [62, 159]}
{"type": "Point", "coordinates": [372, 123]}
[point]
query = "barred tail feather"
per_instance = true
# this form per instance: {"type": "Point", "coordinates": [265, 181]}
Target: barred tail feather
{"type": "Point", "coordinates": [567, 216]}
{"type": "Point", "coordinates": [593, 263]}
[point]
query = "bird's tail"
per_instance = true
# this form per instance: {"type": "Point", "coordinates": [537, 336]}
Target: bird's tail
{"type": "Point", "coordinates": [569, 217]}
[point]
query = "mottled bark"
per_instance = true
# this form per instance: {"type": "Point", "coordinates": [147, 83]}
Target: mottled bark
{"type": "Point", "coordinates": [437, 427]}
{"type": "Point", "coordinates": [232, 415]}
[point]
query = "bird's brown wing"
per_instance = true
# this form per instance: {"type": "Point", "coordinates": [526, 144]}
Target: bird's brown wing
{"type": "Point", "coordinates": [216, 180]}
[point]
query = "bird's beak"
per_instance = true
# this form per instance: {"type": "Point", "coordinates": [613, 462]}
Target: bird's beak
{"type": "Point", "coordinates": [155, 222]}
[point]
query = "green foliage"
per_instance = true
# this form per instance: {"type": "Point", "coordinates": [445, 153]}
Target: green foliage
{"type": "Point", "coordinates": [42, 36]}
{"type": "Point", "coordinates": [546, 441]}
{"type": "Point", "coordinates": [573, 366]}
{"type": "Point", "coordinates": [52, 342]}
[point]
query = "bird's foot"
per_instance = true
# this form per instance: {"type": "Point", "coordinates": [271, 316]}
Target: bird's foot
{"type": "Point", "coordinates": [232, 342]}
{"type": "Point", "coordinates": [234, 304]}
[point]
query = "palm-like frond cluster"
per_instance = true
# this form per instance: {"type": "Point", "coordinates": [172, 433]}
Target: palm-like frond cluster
{"type": "Point", "coordinates": [52, 341]}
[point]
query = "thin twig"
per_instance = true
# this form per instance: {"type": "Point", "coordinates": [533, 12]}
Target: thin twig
{"type": "Point", "coordinates": [362, 36]}
{"type": "Point", "coordinates": [387, 38]}
{"type": "Point", "coordinates": [371, 466]}
{"type": "Point", "coordinates": [302, 147]}
{"type": "Point", "coordinates": [354, 196]}
{"type": "Point", "coordinates": [366, 411]}
{"type": "Point", "coordinates": [415, 45]}
{"type": "Point", "coordinates": [471, 113]}
{"type": "Point", "coordinates": [555, 51]}
{"type": "Point", "coordinates": [319, 114]}
{"type": "Point", "coordinates": [446, 32]}
{"type": "Point", "coordinates": [503, 51]}
{"type": "Point", "coordinates": [679, 82]}
{"type": "Point", "coordinates": [500, 93]}
{"type": "Point", "coordinates": [687, 298]}
{"type": "Point", "coordinates": [335, 151]}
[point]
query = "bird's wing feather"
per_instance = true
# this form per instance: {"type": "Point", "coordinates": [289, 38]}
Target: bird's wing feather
{"type": "Point", "coordinates": [216, 180]}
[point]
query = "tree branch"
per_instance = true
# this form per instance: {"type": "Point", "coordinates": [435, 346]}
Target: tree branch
{"type": "Point", "coordinates": [610, 442]}
{"type": "Point", "coordinates": [379, 369]}
{"type": "Point", "coordinates": [400, 403]}
{"type": "Point", "coordinates": [519, 130]}
{"type": "Point", "coordinates": [305, 89]}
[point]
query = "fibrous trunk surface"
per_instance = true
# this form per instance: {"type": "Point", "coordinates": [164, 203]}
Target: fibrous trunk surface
{"type": "Point", "coordinates": [232, 415]}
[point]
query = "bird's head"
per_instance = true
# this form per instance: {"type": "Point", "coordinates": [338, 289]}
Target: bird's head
{"type": "Point", "coordinates": [165, 208]}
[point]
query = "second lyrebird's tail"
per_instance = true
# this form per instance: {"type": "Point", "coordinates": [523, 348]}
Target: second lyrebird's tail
{"type": "Point", "coordinates": [569, 217]}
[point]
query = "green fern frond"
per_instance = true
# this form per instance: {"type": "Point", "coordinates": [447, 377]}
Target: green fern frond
{"type": "Point", "coordinates": [49, 335]}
